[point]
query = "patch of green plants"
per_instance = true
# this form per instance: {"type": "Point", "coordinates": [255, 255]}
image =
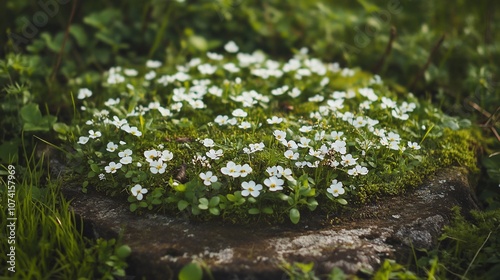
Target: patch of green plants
{"type": "Point", "coordinates": [47, 243]}
{"type": "Point", "coordinates": [240, 134]}
{"type": "Point", "coordinates": [470, 248]}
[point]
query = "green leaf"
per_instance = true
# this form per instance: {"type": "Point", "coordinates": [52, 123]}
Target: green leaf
{"type": "Point", "coordinates": [191, 271]}
{"type": "Point", "coordinates": [203, 201]}
{"type": "Point", "coordinates": [182, 204]}
{"type": "Point", "coordinates": [268, 210]}
{"type": "Point", "coordinates": [342, 201]}
{"type": "Point", "coordinates": [61, 128]}
{"type": "Point", "coordinates": [294, 215]}
{"type": "Point", "coordinates": [30, 113]}
{"type": "Point", "coordinates": [305, 267]}
{"type": "Point", "coordinates": [195, 210]}
{"type": "Point", "coordinates": [133, 207]}
{"type": "Point", "coordinates": [123, 251]}
{"type": "Point", "coordinates": [129, 174]}
{"type": "Point", "coordinates": [95, 168]}
{"type": "Point", "coordinates": [79, 34]}
{"type": "Point", "coordinates": [216, 185]}
{"type": "Point", "coordinates": [253, 211]}
{"type": "Point", "coordinates": [368, 6]}
{"type": "Point", "coordinates": [214, 201]}
{"type": "Point", "coordinates": [156, 201]}
{"type": "Point", "coordinates": [214, 211]}
{"type": "Point", "coordinates": [203, 206]}
{"type": "Point", "coordinates": [312, 204]}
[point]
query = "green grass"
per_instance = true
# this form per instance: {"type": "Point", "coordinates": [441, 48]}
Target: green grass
{"type": "Point", "coordinates": [48, 243]}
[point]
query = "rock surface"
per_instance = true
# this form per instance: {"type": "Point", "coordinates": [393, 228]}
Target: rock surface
{"type": "Point", "coordinates": [161, 245]}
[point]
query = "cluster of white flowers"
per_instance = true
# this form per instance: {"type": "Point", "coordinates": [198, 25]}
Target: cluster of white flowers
{"type": "Point", "coordinates": [338, 133]}
{"type": "Point", "coordinates": [158, 160]}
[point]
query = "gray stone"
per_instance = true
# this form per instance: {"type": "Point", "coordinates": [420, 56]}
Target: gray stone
{"type": "Point", "coordinates": [386, 229]}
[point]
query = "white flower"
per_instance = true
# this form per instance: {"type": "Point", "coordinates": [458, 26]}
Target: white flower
{"type": "Point", "coordinates": [316, 153]}
{"type": "Point", "coordinates": [231, 169]}
{"type": "Point", "coordinates": [305, 128]}
{"type": "Point", "coordinates": [295, 92]}
{"type": "Point", "coordinates": [274, 183]}
{"type": "Point", "coordinates": [291, 155]}
{"type": "Point", "coordinates": [207, 69]}
{"type": "Point", "coordinates": [150, 155]}
{"type": "Point", "coordinates": [275, 120]}
{"type": "Point", "coordinates": [399, 114]}
{"type": "Point", "coordinates": [157, 167]}
{"type": "Point", "coordinates": [84, 93]}
{"type": "Point", "coordinates": [164, 112]}
{"type": "Point", "coordinates": [166, 155]}
{"type": "Point", "coordinates": [245, 170]}
{"type": "Point", "coordinates": [413, 145]}
{"type": "Point", "coordinates": [279, 135]}
{"type": "Point", "coordinates": [301, 164]}
{"type": "Point", "coordinates": [231, 67]}
{"type": "Point", "coordinates": [358, 170]}
{"type": "Point", "coordinates": [126, 160]}
{"type": "Point", "coordinates": [272, 170]}
{"type": "Point", "coordinates": [221, 120]}
{"type": "Point", "coordinates": [368, 93]}
{"type": "Point", "coordinates": [387, 103]}
{"type": "Point", "coordinates": [208, 178]}
{"type": "Point", "coordinates": [394, 145]}
{"type": "Point", "coordinates": [207, 142]}
{"type": "Point", "coordinates": [83, 140]}
{"type": "Point", "coordinates": [215, 91]}
{"type": "Point", "coordinates": [292, 145]}
{"type": "Point", "coordinates": [153, 64]}
{"type": "Point", "coordinates": [94, 134]}
{"type": "Point", "coordinates": [150, 75]}
{"type": "Point", "coordinates": [336, 135]}
{"type": "Point", "coordinates": [284, 172]}
{"type": "Point", "coordinates": [254, 148]}
{"type": "Point", "coordinates": [250, 188]}
{"type": "Point", "coordinates": [320, 135]}
{"type": "Point", "coordinates": [245, 125]}
{"type": "Point", "coordinates": [239, 113]}
{"type": "Point", "coordinates": [336, 188]}
{"type": "Point", "coordinates": [231, 47]}
{"type": "Point", "coordinates": [304, 142]}
{"type": "Point", "coordinates": [131, 130]}
{"type": "Point", "coordinates": [126, 153]}
{"type": "Point", "coordinates": [213, 154]}
{"type": "Point", "coordinates": [138, 191]}
{"type": "Point", "coordinates": [348, 160]}
{"type": "Point", "coordinates": [112, 167]}
{"type": "Point", "coordinates": [359, 122]}
{"type": "Point", "coordinates": [130, 72]}
{"type": "Point", "coordinates": [280, 90]}
{"type": "Point", "coordinates": [214, 56]}
{"type": "Point", "coordinates": [102, 177]}
{"type": "Point", "coordinates": [339, 146]}
{"type": "Point", "coordinates": [391, 136]}
{"type": "Point", "coordinates": [117, 122]}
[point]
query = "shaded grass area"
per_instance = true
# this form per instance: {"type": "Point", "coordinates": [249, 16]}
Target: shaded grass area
{"type": "Point", "coordinates": [49, 243]}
